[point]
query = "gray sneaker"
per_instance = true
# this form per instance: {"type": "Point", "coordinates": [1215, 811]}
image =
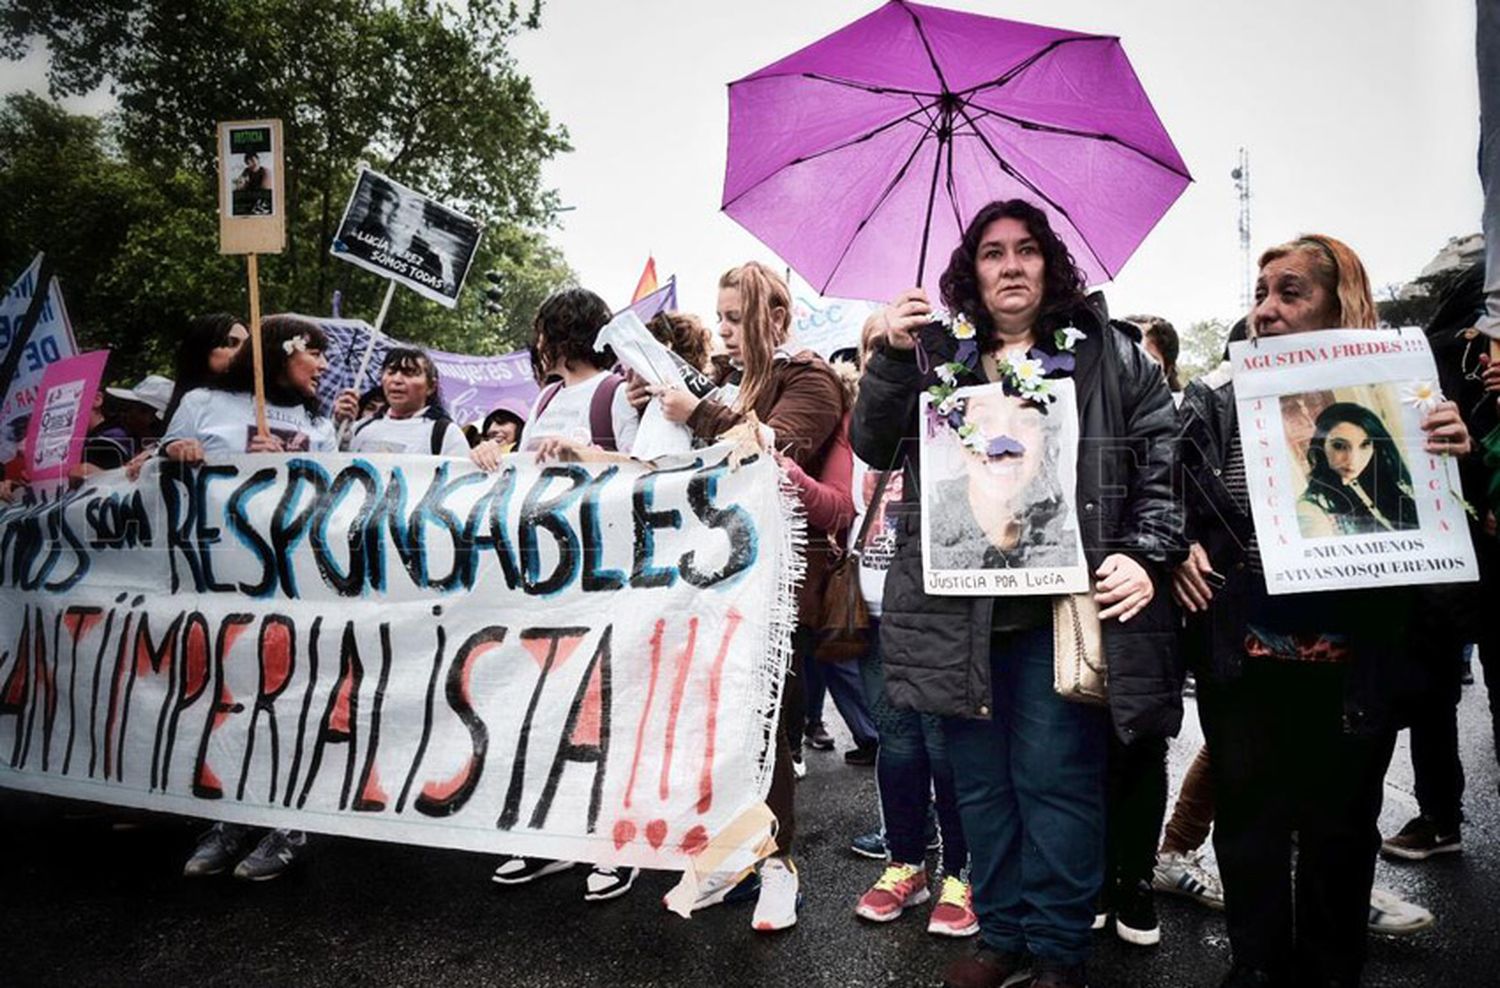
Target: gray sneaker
{"type": "Point", "coordinates": [273, 855]}
{"type": "Point", "coordinates": [218, 849]}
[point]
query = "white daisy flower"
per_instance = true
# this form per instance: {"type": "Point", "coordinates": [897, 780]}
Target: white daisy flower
{"type": "Point", "coordinates": [295, 344]}
{"type": "Point", "coordinates": [1422, 395]}
{"type": "Point", "coordinates": [1024, 370]}
{"type": "Point", "coordinates": [961, 328]}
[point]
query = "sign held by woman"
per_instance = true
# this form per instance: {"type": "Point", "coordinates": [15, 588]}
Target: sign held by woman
{"type": "Point", "coordinates": [998, 513]}
{"type": "Point", "coordinates": [1342, 492]}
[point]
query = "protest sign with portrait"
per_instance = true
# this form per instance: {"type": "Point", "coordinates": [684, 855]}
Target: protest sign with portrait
{"type": "Point", "coordinates": [998, 493]}
{"type": "Point", "coordinates": [1342, 492]}
{"type": "Point", "coordinates": [401, 234]}
{"type": "Point", "coordinates": [252, 184]}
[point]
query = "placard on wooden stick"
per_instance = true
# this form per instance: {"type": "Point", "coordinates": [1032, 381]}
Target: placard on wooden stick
{"type": "Point", "coordinates": [252, 187]}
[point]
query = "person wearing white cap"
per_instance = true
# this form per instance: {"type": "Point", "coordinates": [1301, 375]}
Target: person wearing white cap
{"type": "Point", "coordinates": [142, 407]}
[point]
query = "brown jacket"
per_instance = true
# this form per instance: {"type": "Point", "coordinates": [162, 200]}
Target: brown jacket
{"type": "Point", "coordinates": [804, 405]}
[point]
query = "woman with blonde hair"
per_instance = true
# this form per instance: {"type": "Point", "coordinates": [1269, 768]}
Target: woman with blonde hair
{"type": "Point", "coordinates": [1300, 696]}
{"type": "Point", "coordinates": [798, 401]}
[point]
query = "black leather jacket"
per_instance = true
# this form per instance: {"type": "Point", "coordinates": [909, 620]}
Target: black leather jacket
{"type": "Point", "coordinates": [937, 649]}
{"type": "Point", "coordinates": [1383, 678]}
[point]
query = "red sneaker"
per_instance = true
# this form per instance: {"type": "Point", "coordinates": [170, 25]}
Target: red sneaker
{"type": "Point", "coordinates": [899, 886]}
{"type": "Point", "coordinates": [953, 916]}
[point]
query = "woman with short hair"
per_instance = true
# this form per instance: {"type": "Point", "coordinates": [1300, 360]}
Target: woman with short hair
{"type": "Point", "coordinates": [1300, 695]}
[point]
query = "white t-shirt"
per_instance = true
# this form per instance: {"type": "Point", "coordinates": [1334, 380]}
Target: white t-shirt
{"type": "Point", "coordinates": [567, 416]}
{"type": "Point", "coordinates": [224, 422]}
{"type": "Point", "coordinates": [409, 435]}
{"type": "Point", "coordinates": [880, 542]}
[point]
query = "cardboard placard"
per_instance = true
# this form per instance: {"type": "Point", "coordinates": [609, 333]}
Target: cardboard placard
{"type": "Point", "coordinates": [252, 187]}
{"type": "Point", "coordinates": [60, 417]}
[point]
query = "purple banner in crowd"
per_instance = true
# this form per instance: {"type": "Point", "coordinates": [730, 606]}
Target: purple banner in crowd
{"type": "Point", "coordinates": [664, 299]}
{"type": "Point", "coordinates": [471, 387]}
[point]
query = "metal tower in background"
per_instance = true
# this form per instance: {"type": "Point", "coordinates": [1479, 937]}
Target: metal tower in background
{"type": "Point", "coordinates": [1241, 176]}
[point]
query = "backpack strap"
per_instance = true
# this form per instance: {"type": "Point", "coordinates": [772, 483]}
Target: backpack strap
{"type": "Point", "coordinates": [545, 399]}
{"type": "Point", "coordinates": [440, 425]}
{"type": "Point", "coordinates": [601, 412]}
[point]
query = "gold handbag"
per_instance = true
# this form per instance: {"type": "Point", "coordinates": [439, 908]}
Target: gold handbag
{"type": "Point", "coordinates": [1078, 667]}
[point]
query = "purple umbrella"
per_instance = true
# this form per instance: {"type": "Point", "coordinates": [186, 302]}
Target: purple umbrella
{"type": "Point", "coordinates": [860, 158]}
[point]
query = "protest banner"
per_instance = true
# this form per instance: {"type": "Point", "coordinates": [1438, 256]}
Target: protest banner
{"type": "Point", "coordinates": [827, 325]}
{"type": "Point", "coordinates": [401, 234]}
{"type": "Point", "coordinates": [50, 340]}
{"type": "Point", "coordinates": [575, 661]}
{"type": "Point", "coordinates": [1342, 493]}
{"type": "Point", "coordinates": [998, 491]}
{"type": "Point", "coordinates": [471, 387]}
{"type": "Point", "coordinates": [60, 421]}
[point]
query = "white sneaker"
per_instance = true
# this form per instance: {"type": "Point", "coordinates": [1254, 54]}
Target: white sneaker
{"type": "Point", "coordinates": [1185, 875]}
{"type": "Point", "coordinates": [799, 767]}
{"type": "Point", "coordinates": [1392, 916]}
{"type": "Point", "coordinates": [608, 883]}
{"type": "Point", "coordinates": [776, 909]}
{"type": "Point", "coordinates": [728, 887]}
{"type": "Point", "coordinates": [518, 870]}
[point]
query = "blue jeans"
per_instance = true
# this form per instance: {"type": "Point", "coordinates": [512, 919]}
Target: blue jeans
{"type": "Point", "coordinates": [911, 772]}
{"type": "Point", "coordinates": [1031, 784]}
{"type": "Point", "coordinates": [842, 680]}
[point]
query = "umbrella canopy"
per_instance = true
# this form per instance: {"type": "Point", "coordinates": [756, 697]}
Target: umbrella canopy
{"type": "Point", "coordinates": [860, 158]}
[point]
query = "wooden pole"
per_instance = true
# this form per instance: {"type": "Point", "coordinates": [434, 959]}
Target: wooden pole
{"type": "Point", "coordinates": [256, 349]}
{"type": "Point", "coordinates": [364, 364]}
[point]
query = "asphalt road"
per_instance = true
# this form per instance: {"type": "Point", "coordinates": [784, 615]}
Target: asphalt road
{"type": "Point", "coordinates": [89, 902]}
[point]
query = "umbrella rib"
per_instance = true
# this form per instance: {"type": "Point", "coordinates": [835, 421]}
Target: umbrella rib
{"type": "Point", "coordinates": [922, 35]}
{"type": "Point", "coordinates": [958, 219]}
{"type": "Point", "coordinates": [889, 188]}
{"type": "Point", "coordinates": [927, 129]}
{"type": "Point", "coordinates": [851, 84]}
{"type": "Point", "coordinates": [1032, 59]}
{"type": "Point", "coordinates": [1025, 124]}
{"type": "Point", "coordinates": [1010, 170]}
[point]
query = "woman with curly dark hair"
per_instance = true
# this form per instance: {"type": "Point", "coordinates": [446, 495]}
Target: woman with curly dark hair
{"type": "Point", "coordinates": [1029, 766]}
{"type": "Point", "coordinates": [582, 403]}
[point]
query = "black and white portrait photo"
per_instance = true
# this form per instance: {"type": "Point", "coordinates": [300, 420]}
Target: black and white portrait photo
{"type": "Point", "coordinates": [404, 235]}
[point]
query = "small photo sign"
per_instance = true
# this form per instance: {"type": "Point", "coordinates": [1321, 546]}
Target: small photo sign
{"type": "Point", "coordinates": [252, 205]}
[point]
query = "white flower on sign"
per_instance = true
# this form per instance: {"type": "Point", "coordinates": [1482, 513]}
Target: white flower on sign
{"type": "Point", "coordinates": [1422, 395]}
{"type": "Point", "coordinates": [962, 329]}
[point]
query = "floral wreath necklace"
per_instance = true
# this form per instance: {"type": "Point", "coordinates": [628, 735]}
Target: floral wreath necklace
{"type": "Point", "coordinates": [1029, 376]}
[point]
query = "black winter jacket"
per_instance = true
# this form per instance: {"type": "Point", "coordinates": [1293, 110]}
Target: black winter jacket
{"type": "Point", "coordinates": [1383, 678]}
{"type": "Point", "coordinates": [937, 649]}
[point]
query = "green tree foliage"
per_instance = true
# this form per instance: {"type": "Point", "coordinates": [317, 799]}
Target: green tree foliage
{"type": "Point", "coordinates": [423, 90]}
{"type": "Point", "coordinates": [1416, 308]}
{"type": "Point", "coordinates": [1201, 347]}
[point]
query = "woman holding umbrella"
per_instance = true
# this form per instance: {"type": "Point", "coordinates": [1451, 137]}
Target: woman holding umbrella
{"type": "Point", "coordinates": [1029, 767]}
{"type": "Point", "coordinates": [1301, 695]}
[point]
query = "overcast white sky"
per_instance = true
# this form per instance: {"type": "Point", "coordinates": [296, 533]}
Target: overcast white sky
{"type": "Point", "coordinates": [1360, 117]}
